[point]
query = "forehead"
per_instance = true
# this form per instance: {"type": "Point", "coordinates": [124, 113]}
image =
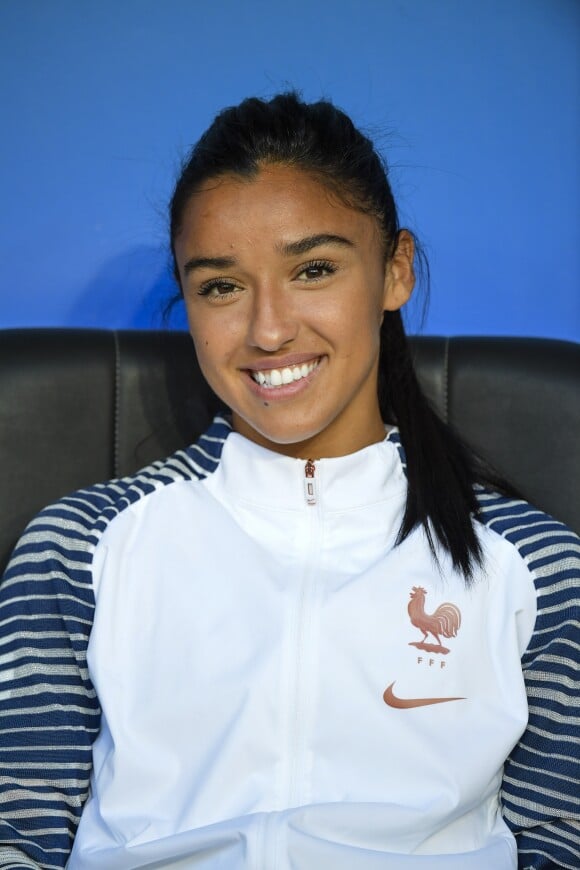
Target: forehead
{"type": "Point", "coordinates": [279, 203]}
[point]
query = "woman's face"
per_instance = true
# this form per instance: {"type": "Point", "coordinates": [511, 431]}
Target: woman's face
{"type": "Point", "coordinates": [285, 288]}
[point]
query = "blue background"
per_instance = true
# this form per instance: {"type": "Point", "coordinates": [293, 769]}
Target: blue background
{"type": "Point", "coordinates": [474, 102]}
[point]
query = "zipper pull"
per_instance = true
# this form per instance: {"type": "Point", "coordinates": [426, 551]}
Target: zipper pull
{"type": "Point", "coordinates": [310, 482]}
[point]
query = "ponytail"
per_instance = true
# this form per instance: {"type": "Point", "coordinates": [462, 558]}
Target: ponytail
{"type": "Point", "coordinates": [440, 469]}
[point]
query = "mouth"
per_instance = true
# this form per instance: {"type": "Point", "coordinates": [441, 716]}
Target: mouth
{"type": "Point", "coordinates": [273, 378]}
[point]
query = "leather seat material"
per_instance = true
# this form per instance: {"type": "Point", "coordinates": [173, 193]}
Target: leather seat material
{"type": "Point", "coordinates": [163, 402]}
{"type": "Point", "coordinates": [430, 357]}
{"type": "Point", "coordinates": [517, 402]}
{"type": "Point", "coordinates": [57, 391]}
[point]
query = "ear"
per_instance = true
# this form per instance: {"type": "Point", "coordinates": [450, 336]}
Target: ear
{"type": "Point", "coordinates": [399, 274]}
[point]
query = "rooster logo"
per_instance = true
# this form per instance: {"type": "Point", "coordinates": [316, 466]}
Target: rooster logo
{"type": "Point", "coordinates": [445, 621]}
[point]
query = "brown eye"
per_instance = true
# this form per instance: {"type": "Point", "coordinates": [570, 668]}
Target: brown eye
{"type": "Point", "coordinates": [314, 272]}
{"type": "Point", "coordinates": [317, 270]}
{"type": "Point", "coordinates": [217, 289]}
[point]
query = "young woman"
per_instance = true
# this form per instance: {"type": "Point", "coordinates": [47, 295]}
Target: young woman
{"type": "Point", "coordinates": [319, 637]}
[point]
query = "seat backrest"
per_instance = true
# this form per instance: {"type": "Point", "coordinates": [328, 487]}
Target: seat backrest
{"type": "Point", "coordinates": [81, 406]}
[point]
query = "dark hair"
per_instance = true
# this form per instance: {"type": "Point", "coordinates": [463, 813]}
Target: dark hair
{"type": "Point", "coordinates": [322, 140]}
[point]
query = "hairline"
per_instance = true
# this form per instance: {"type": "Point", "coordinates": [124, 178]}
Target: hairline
{"type": "Point", "coordinates": [251, 172]}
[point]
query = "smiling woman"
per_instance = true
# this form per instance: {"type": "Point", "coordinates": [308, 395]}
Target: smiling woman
{"type": "Point", "coordinates": [325, 635]}
{"type": "Point", "coordinates": [304, 283]}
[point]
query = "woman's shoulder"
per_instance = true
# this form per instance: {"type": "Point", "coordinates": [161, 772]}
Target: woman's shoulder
{"type": "Point", "coordinates": [66, 532]}
{"type": "Point", "coordinates": [549, 549]}
{"type": "Point", "coordinates": [528, 528]}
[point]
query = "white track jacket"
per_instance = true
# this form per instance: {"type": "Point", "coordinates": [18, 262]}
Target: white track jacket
{"type": "Point", "coordinates": [271, 683]}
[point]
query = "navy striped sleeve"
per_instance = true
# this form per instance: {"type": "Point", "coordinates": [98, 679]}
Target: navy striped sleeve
{"type": "Point", "coordinates": [49, 712]}
{"type": "Point", "coordinates": [541, 784]}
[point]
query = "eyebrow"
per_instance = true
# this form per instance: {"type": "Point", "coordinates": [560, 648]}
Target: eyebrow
{"type": "Point", "coordinates": [289, 249]}
{"type": "Point", "coordinates": [303, 246]}
{"type": "Point", "coordinates": [208, 263]}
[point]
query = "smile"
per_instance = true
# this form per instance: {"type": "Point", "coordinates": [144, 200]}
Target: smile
{"type": "Point", "coordinates": [279, 377]}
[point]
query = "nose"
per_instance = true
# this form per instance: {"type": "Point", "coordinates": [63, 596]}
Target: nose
{"type": "Point", "coordinates": [272, 323]}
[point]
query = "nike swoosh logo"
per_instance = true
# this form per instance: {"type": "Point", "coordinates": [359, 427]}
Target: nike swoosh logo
{"type": "Point", "coordinates": [391, 700]}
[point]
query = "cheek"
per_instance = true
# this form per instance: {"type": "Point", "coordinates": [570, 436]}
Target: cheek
{"type": "Point", "coordinates": [206, 355]}
{"type": "Point", "coordinates": [203, 340]}
{"type": "Point", "coordinates": [355, 325]}
{"type": "Point", "coordinates": [214, 340]}
{"type": "Point", "coordinates": [211, 360]}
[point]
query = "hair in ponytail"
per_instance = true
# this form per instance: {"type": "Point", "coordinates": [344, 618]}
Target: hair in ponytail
{"type": "Point", "coordinates": [322, 140]}
{"type": "Point", "coordinates": [439, 467]}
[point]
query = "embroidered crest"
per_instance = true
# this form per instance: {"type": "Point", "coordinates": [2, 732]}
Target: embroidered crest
{"type": "Point", "coordinates": [444, 622]}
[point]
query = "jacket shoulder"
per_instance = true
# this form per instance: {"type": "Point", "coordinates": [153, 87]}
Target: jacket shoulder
{"type": "Point", "coordinates": [68, 530]}
{"type": "Point", "coordinates": [551, 553]}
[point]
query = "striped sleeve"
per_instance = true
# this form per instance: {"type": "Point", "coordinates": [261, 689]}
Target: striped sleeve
{"type": "Point", "coordinates": [49, 712]}
{"type": "Point", "coordinates": [541, 784]}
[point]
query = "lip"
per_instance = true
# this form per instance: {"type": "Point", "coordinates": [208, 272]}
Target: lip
{"type": "Point", "coordinates": [284, 391]}
{"type": "Point", "coordinates": [282, 362]}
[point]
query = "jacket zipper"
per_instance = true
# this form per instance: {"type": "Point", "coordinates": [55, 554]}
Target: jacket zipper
{"type": "Point", "coordinates": [310, 482]}
{"type": "Point", "coordinates": [303, 665]}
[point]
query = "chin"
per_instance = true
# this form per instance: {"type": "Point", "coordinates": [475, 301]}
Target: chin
{"type": "Point", "coordinates": [285, 438]}
{"type": "Point", "coordinates": [276, 435]}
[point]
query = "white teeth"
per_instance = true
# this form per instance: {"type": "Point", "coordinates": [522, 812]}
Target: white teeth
{"type": "Point", "coordinates": [278, 377]}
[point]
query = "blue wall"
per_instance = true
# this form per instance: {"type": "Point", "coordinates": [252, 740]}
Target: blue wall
{"type": "Point", "coordinates": [476, 104]}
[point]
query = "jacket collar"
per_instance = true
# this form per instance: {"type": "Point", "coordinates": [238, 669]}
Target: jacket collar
{"type": "Point", "coordinates": [253, 474]}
